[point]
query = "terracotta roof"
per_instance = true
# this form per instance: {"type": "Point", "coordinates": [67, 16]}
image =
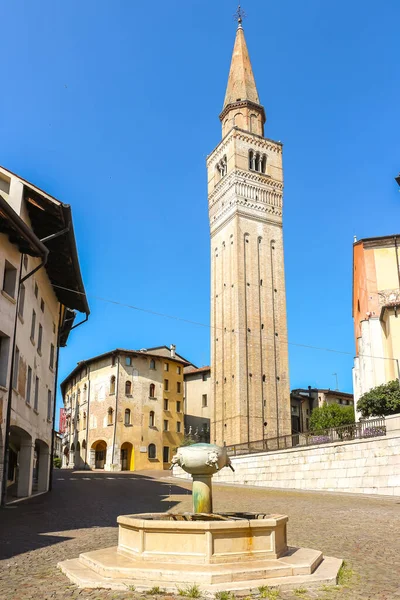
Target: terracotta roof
{"type": "Point", "coordinates": [241, 82]}
{"type": "Point", "coordinates": [143, 352]}
{"type": "Point", "coordinates": [193, 370]}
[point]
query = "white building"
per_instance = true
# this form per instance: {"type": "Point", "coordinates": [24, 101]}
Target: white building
{"type": "Point", "coordinates": [41, 287]}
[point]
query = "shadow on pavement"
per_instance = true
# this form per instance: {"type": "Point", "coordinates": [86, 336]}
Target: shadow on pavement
{"type": "Point", "coordinates": [88, 499]}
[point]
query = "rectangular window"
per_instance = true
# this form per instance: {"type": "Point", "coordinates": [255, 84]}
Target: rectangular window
{"type": "Point", "coordinates": [178, 387]}
{"type": "Point", "coordinates": [178, 406]}
{"type": "Point", "coordinates": [21, 301]}
{"type": "Point", "coordinates": [178, 370]}
{"type": "Point", "coordinates": [51, 356]}
{"type": "Point", "coordinates": [42, 304]}
{"type": "Point", "coordinates": [166, 384]}
{"type": "Point", "coordinates": [204, 400]}
{"type": "Point", "coordinates": [10, 279]}
{"type": "Point", "coordinates": [36, 290]}
{"type": "Point", "coordinates": [4, 350]}
{"type": "Point", "coordinates": [165, 425]}
{"type": "Point", "coordinates": [128, 361]}
{"type": "Point", "coordinates": [166, 454]}
{"type": "Point", "coordinates": [16, 368]}
{"type": "Point", "coordinates": [40, 335]}
{"type": "Point", "coordinates": [166, 367]}
{"type": "Point", "coordinates": [36, 401]}
{"type": "Point", "coordinates": [178, 426]}
{"type": "Point", "coordinates": [49, 403]}
{"type": "Point", "coordinates": [29, 386]}
{"type": "Point", "coordinates": [33, 325]}
{"type": "Point", "coordinates": [165, 404]}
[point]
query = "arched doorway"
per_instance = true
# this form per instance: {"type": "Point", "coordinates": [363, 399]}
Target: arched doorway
{"type": "Point", "coordinates": [127, 457]}
{"type": "Point", "coordinates": [42, 466]}
{"type": "Point", "coordinates": [100, 454]}
{"type": "Point", "coordinates": [20, 463]}
{"type": "Point", "coordinates": [65, 458]}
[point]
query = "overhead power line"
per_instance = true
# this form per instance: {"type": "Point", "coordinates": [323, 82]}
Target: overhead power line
{"type": "Point", "coordinates": [209, 326]}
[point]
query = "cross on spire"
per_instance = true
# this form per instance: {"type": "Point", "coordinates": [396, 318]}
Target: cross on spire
{"type": "Point", "coordinates": [239, 16]}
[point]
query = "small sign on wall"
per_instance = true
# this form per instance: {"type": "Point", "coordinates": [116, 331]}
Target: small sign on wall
{"type": "Point", "coordinates": [143, 448]}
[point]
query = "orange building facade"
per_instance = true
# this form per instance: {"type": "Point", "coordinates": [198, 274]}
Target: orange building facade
{"type": "Point", "coordinates": [376, 312]}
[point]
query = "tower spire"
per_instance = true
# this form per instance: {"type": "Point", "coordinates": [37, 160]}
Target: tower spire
{"type": "Point", "coordinates": [241, 97]}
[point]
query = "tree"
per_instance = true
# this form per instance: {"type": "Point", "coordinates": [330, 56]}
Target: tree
{"type": "Point", "coordinates": [381, 400]}
{"type": "Point", "coordinates": [331, 415]}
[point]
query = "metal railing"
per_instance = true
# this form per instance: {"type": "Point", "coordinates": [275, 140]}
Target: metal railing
{"type": "Point", "coordinates": [358, 431]}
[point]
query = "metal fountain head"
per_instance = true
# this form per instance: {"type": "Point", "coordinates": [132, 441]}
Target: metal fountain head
{"type": "Point", "coordinates": [202, 461]}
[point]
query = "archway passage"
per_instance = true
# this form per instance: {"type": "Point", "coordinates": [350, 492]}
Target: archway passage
{"type": "Point", "coordinates": [100, 449]}
{"type": "Point", "coordinates": [20, 463]}
{"type": "Point", "coordinates": [127, 457]}
{"type": "Point", "coordinates": [42, 466]}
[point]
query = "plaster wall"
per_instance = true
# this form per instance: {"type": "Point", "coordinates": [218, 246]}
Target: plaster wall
{"type": "Point", "coordinates": [197, 385]}
{"type": "Point", "coordinates": [370, 466]}
{"type": "Point", "coordinates": [92, 405]}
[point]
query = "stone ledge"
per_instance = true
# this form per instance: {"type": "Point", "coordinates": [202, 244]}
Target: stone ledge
{"type": "Point", "coordinates": [85, 577]}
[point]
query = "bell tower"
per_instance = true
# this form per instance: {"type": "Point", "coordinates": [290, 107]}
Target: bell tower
{"type": "Point", "coordinates": [249, 356]}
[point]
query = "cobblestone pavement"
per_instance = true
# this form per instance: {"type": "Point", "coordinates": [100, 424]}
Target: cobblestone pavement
{"type": "Point", "coordinates": [80, 515]}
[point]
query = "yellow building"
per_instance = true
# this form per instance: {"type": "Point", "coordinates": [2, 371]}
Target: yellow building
{"type": "Point", "coordinates": [376, 307]}
{"type": "Point", "coordinates": [124, 410]}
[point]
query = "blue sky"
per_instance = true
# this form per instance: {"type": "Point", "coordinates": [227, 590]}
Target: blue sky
{"type": "Point", "coordinates": [112, 106]}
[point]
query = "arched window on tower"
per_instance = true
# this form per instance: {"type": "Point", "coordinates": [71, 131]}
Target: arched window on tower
{"type": "Point", "coordinates": [128, 388]}
{"type": "Point", "coordinates": [152, 390]}
{"type": "Point", "coordinates": [253, 123]}
{"type": "Point", "coordinates": [127, 416]}
{"type": "Point", "coordinates": [152, 451]}
{"type": "Point", "coordinates": [264, 163]}
{"type": "Point", "coordinates": [110, 413]}
{"type": "Point", "coordinates": [112, 385]}
{"type": "Point", "coordinates": [84, 421]}
{"type": "Point", "coordinates": [251, 160]}
{"type": "Point", "coordinates": [152, 364]}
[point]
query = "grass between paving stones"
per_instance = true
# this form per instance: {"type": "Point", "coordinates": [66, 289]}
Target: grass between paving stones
{"type": "Point", "coordinates": [267, 592]}
{"type": "Point", "coordinates": [345, 575]}
{"type": "Point", "coordinates": [155, 590]}
{"type": "Point", "coordinates": [300, 592]}
{"type": "Point", "coordinates": [190, 591]}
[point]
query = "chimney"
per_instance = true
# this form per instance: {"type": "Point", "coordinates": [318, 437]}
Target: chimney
{"type": "Point", "coordinates": [172, 349]}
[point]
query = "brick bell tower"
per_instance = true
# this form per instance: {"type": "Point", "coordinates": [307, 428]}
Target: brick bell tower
{"type": "Point", "coordinates": [249, 356]}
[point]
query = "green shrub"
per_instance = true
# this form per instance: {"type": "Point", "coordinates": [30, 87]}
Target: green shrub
{"type": "Point", "coordinates": [57, 462]}
{"type": "Point", "coordinates": [331, 415]}
{"type": "Point", "coordinates": [381, 400]}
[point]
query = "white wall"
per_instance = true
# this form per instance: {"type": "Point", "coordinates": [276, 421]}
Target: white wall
{"type": "Point", "coordinates": [360, 466]}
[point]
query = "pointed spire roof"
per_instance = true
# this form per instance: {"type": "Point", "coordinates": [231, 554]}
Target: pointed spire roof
{"type": "Point", "coordinates": [241, 83]}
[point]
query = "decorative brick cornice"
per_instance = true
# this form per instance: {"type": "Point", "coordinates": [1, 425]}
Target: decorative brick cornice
{"type": "Point", "coordinates": [243, 104]}
{"type": "Point", "coordinates": [258, 141]}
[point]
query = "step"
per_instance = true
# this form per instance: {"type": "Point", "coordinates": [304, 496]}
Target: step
{"type": "Point", "coordinates": [84, 577]}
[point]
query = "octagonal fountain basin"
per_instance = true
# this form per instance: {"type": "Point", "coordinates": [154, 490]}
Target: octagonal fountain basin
{"type": "Point", "coordinates": [227, 551]}
{"type": "Point", "coordinates": [202, 538]}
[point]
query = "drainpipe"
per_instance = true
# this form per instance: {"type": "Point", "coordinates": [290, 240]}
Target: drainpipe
{"type": "Point", "coordinates": [9, 397]}
{"type": "Point", "coordinates": [87, 416]}
{"type": "Point", "coordinates": [55, 395]}
{"type": "Point", "coordinates": [53, 437]}
{"type": "Point", "coordinates": [116, 410]}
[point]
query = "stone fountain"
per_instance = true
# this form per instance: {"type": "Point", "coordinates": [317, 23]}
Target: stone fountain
{"type": "Point", "coordinates": [236, 552]}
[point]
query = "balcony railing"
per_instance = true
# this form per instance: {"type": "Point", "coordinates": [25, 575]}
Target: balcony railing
{"type": "Point", "coordinates": [358, 431]}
